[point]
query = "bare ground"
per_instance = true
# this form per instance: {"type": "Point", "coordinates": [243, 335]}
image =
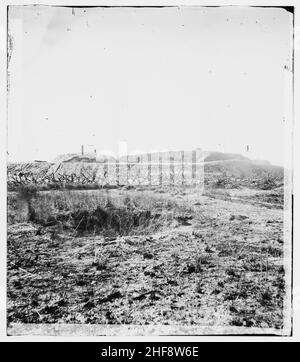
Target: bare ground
{"type": "Point", "coordinates": [218, 263]}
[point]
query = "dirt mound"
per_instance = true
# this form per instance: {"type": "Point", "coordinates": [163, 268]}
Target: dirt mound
{"type": "Point", "coordinates": [243, 173]}
{"type": "Point", "coordinates": [219, 156]}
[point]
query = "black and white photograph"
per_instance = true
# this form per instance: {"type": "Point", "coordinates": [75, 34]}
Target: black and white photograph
{"type": "Point", "coordinates": [149, 160]}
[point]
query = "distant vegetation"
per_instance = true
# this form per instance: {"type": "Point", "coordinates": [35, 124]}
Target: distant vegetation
{"type": "Point", "coordinates": [220, 170]}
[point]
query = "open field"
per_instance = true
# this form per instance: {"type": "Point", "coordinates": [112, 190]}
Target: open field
{"type": "Point", "coordinates": [160, 256]}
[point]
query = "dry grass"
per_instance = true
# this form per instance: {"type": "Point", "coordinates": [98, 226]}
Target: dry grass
{"type": "Point", "coordinates": [144, 257]}
{"type": "Point", "coordinates": [96, 211]}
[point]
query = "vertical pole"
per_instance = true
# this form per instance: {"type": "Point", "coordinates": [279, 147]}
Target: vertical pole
{"type": "Point", "coordinates": [82, 150]}
{"type": "Point", "coordinates": [182, 167]}
{"type": "Point", "coordinates": [117, 173]}
{"type": "Point", "coordinates": [138, 170]}
{"type": "Point", "coordinates": [127, 170]}
{"type": "Point", "coordinates": [193, 166]}
{"type": "Point", "coordinates": [200, 169]}
{"type": "Point", "coordinates": [149, 168]}
{"type": "Point", "coordinates": [171, 169]}
{"type": "Point", "coordinates": [160, 169]}
{"type": "Point", "coordinates": [105, 169]}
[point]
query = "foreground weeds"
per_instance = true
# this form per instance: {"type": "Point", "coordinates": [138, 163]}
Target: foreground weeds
{"type": "Point", "coordinates": [128, 257]}
{"type": "Point", "coordinates": [105, 212]}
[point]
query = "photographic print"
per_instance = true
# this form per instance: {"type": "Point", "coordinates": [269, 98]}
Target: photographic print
{"type": "Point", "coordinates": [149, 170]}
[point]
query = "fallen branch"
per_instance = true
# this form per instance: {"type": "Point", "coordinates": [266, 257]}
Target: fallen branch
{"type": "Point", "coordinates": [24, 270]}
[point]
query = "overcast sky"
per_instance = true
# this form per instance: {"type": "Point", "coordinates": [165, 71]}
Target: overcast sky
{"type": "Point", "coordinates": [158, 79]}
